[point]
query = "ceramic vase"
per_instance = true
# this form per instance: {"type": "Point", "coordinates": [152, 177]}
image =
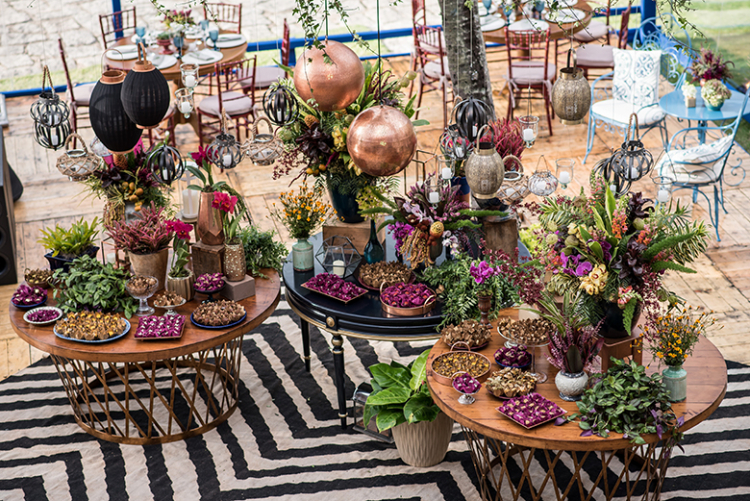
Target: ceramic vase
{"type": "Point", "coordinates": [424, 443]}
{"type": "Point", "coordinates": [302, 255]}
{"type": "Point", "coordinates": [182, 285]}
{"type": "Point", "coordinates": [675, 380]}
{"type": "Point", "coordinates": [571, 386]}
{"type": "Point", "coordinates": [713, 108]}
{"type": "Point", "coordinates": [152, 265]}
{"type": "Point", "coordinates": [484, 303]}
{"type": "Point", "coordinates": [234, 262]}
{"type": "Point", "coordinates": [210, 229]}
{"type": "Point", "coordinates": [346, 206]}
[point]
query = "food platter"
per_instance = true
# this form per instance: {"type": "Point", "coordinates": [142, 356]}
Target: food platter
{"type": "Point", "coordinates": [215, 327]}
{"type": "Point", "coordinates": [412, 279]}
{"type": "Point", "coordinates": [345, 301]}
{"type": "Point", "coordinates": [95, 341]}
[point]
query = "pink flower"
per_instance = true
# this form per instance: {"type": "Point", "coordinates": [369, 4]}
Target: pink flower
{"type": "Point", "coordinates": [224, 202]}
{"type": "Point", "coordinates": [200, 156]}
{"type": "Point", "coordinates": [182, 230]}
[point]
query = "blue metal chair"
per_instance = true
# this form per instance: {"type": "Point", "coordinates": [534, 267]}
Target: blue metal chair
{"type": "Point", "coordinates": [694, 165]}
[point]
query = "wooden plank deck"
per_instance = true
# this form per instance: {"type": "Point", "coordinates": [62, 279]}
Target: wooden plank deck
{"type": "Point", "coordinates": [722, 284]}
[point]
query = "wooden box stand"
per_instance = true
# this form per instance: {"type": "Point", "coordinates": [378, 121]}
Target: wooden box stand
{"type": "Point", "coordinates": [622, 348]}
{"type": "Point", "coordinates": [501, 233]}
{"type": "Point", "coordinates": [237, 291]}
{"type": "Point", "coordinates": [207, 258]}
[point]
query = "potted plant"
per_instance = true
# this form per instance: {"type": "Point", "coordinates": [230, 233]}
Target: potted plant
{"type": "Point", "coordinates": [710, 66]}
{"type": "Point", "coordinates": [146, 240]}
{"type": "Point", "coordinates": [714, 93]}
{"type": "Point", "coordinates": [164, 40]}
{"type": "Point", "coordinates": [573, 345]}
{"type": "Point", "coordinates": [234, 254]}
{"type": "Point", "coordinates": [64, 245]}
{"type": "Point", "coordinates": [180, 280]}
{"type": "Point", "coordinates": [689, 92]}
{"type": "Point", "coordinates": [401, 401]}
{"type": "Point", "coordinates": [262, 250]}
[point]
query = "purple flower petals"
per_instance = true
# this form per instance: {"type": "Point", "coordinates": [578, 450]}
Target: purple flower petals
{"type": "Point", "coordinates": [517, 356]}
{"type": "Point", "coordinates": [43, 315]}
{"type": "Point", "coordinates": [26, 295]}
{"type": "Point", "coordinates": [466, 384]}
{"type": "Point", "coordinates": [587, 433]}
{"type": "Point", "coordinates": [560, 421]}
{"type": "Point", "coordinates": [334, 286]}
{"type": "Point", "coordinates": [209, 282]}
{"type": "Point", "coordinates": [404, 295]}
{"type": "Point", "coordinates": [168, 326]}
{"type": "Point", "coordinates": [530, 410]}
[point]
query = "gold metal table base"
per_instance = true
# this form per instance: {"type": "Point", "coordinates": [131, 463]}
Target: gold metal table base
{"type": "Point", "coordinates": [154, 402]}
{"type": "Point", "coordinates": [507, 471]}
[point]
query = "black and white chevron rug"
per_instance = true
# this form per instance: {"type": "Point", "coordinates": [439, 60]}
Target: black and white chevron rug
{"type": "Point", "coordinates": [285, 442]}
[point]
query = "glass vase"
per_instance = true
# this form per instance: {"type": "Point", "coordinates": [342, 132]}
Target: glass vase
{"type": "Point", "coordinates": [374, 251]}
{"type": "Point", "coordinates": [675, 380]}
{"type": "Point", "coordinates": [302, 255]}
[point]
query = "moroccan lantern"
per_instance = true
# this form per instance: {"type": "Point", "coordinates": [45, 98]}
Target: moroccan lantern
{"type": "Point", "coordinates": [632, 161]}
{"type": "Point", "coordinates": [51, 125]}
{"type": "Point", "coordinates": [617, 185]}
{"type": "Point", "coordinates": [333, 84]}
{"type": "Point", "coordinates": [381, 141]}
{"type": "Point", "coordinates": [145, 93]}
{"type": "Point", "coordinates": [484, 169]}
{"type": "Point", "coordinates": [111, 124]}
{"type": "Point", "coordinates": [280, 105]}
{"type": "Point", "coordinates": [571, 94]}
{"type": "Point", "coordinates": [471, 115]}
{"type": "Point", "coordinates": [542, 182]}
{"type": "Point", "coordinates": [166, 164]}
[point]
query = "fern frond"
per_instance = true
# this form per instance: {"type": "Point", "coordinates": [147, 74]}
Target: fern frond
{"type": "Point", "coordinates": [670, 265]}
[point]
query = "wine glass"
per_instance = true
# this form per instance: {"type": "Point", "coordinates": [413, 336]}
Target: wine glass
{"type": "Point", "coordinates": [214, 36]}
{"type": "Point", "coordinates": [507, 10]}
{"type": "Point", "coordinates": [178, 42]}
{"type": "Point", "coordinates": [487, 5]}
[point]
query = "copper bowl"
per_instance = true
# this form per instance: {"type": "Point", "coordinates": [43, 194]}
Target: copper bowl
{"type": "Point", "coordinates": [399, 311]}
{"type": "Point", "coordinates": [470, 356]}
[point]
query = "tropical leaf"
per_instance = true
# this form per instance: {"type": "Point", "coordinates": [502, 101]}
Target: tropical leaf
{"type": "Point", "coordinates": [670, 265]}
{"type": "Point", "coordinates": [394, 395]}
{"type": "Point", "coordinates": [419, 371]}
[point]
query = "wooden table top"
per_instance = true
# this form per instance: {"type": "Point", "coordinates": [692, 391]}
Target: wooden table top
{"type": "Point", "coordinates": [707, 384]}
{"type": "Point", "coordinates": [556, 31]}
{"type": "Point", "coordinates": [128, 349]}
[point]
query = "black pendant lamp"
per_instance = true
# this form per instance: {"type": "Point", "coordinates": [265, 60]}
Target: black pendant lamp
{"type": "Point", "coordinates": [280, 105]}
{"type": "Point", "coordinates": [145, 93]}
{"type": "Point", "coordinates": [51, 125]}
{"type": "Point", "coordinates": [111, 124]}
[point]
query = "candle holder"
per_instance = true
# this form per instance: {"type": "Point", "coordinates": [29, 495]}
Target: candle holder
{"type": "Point", "coordinates": [663, 189]}
{"type": "Point", "coordinates": [565, 171]}
{"type": "Point", "coordinates": [445, 168]}
{"type": "Point", "coordinates": [225, 152]}
{"type": "Point", "coordinates": [432, 190]}
{"type": "Point", "coordinates": [189, 72]}
{"type": "Point", "coordinates": [542, 182]}
{"type": "Point", "coordinates": [349, 255]}
{"type": "Point", "coordinates": [189, 197]}
{"type": "Point", "coordinates": [184, 101]}
{"type": "Point", "coordinates": [529, 129]}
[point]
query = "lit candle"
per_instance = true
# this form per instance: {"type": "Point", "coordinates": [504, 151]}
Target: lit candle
{"type": "Point", "coordinates": [528, 135]}
{"type": "Point", "coordinates": [190, 203]}
{"type": "Point", "coordinates": [565, 177]}
{"type": "Point", "coordinates": [634, 173]}
{"type": "Point", "coordinates": [227, 160]}
{"type": "Point", "coordinates": [433, 197]}
{"type": "Point", "coordinates": [613, 188]}
{"type": "Point", "coordinates": [339, 268]}
{"type": "Point", "coordinates": [53, 139]}
{"type": "Point", "coordinates": [447, 173]}
{"type": "Point", "coordinates": [662, 195]}
{"type": "Point", "coordinates": [189, 81]}
{"type": "Point", "coordinates": [185, 107]}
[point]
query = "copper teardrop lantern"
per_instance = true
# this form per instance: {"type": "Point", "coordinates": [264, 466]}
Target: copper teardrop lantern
{"type": "Point", "coordinates": [333, 84]}
{"type": "Point", "coordinates": [381, 141]}
{"type": "Point", "coordinates": [571, 94]}
{"type": "Point", "coordinates": [145, 93]}
{"type": "Point", "coordinates": [111, 124]}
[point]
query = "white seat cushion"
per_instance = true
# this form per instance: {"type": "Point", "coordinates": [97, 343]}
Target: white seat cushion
{"type": "Point", "coordinates": [82, 93]}
{"type": "Point", "coordinates": [235, 103]}
{"type": "Point", "coordinates": [695, 165]}
{"type": "Point", "coordinates": [433, 70]}
{"type": "Point", "coordinates": [595, 56]}
{"type": "Point", "coordinates": [613, 110]}
{"type": "Point", "coordinates": [265, 76]}
{"type": "Point", "coordinates": [532, 72]}
{"type": "Point", "coordinates": [593, 31]}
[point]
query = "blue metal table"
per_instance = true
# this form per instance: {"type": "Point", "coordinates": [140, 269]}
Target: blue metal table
{"type": "Point", "coordinates": [674, 104]}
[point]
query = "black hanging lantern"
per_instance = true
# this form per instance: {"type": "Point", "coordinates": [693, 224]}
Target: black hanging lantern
{"type": "Point", "coordinates": [632, 161]}
{"type": "Point", "coordinates": [617, 185]}
{"type": "Point", "coordinates": [453, 145]}
{"type": "Point", "coordinates": [471, 115]}
{"type": "Point", "coordinates": [280, 105]}
{"type": "Point", "coordinates": [225, 152]}
{"type": "Point", "coordinates": [166, 164]}
{"type": "Point", "coordinates": [111, 124]}
{"type": "Point", "coordinates": [145, 93]}
{"type": "Point", "coordinates": [51, 125]}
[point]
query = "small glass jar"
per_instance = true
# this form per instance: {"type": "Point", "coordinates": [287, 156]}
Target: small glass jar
{"type": "Point", "coordinates": [663, 189]}
{"type": "Point", "coordinates": [565, 171]}
{"type": "Point", "coordinates": [189, 72]}
{"type": "Point", "coordinates": [529, 129]}
{"type": "Point", "coordinates": [542, 183]}
{"type": "Point", "coordinates": [184, 101]}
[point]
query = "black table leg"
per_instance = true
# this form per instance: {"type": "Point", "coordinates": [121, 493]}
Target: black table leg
{"type": "Point", "coordinates": [338, 365]}
{"type": "Point", "coordinates": [305, 327]}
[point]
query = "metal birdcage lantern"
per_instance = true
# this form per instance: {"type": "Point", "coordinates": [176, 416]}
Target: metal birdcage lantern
{"type": "Point", "coordinates": [617, 185]}
{"type": "Point", "coordinates": [78, 163]}
{"type": "Point", "coordinates": [632, 161]}
{"type": "Point", "coordinates": [515, 185]}
{"type": "Point", "coordinates": [471, 115]}
{"type": "Point", "coordinates": [263, 148]}
{"type": "Point", "coordinates": [225, 152]}
{"type": "Point", "coordinates": [280, 105]}
{"type": "Point", "coordinates": [166, 164]}
{"type": "Point", "coordinates": [571, 94]}
{"type": "Point", "coordinates": [51, 125]}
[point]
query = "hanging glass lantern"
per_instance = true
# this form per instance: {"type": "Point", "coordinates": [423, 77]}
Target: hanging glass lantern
{"type": "Point", "coordinates": [189, 72]}
{"type": "Point", "coordinates": [663, 189]}
{"type": "Point", "coordinates": [333, 77]}
{"type": "Point", "coordinates": [515, 184]}
{"type": "Point", "coordinates": [51, 125]}
{"type": "Point", "coordinates": [632, 161]}
{"type": "Point", "coordinates": [529, 129]}
{"type": "Point", "coordinates": [381, 141]}
{"type": "Point", "coordinates": [111, 124]}
{"type": "Point", "coordinates": [166, 164]}
{"type": "Point", "coordinates": [471, 115]}
{"type": "Point", "coordinates": [571, 94]}
{"type": "Point", "coordinates": [280, 105]}
{"type": "Point", "coordinates": [263, 148]}
{"type": "Point", "coordinates": [184, 101]}
{"type": "Point", "coordinates": [565, 171]}
{"type": "Point", "coordinates": [542, 182]}
{"type": "Point", "coordinates": [617, 185]}
{"type": "Point", "coordinates": [225, 152]}
{"type": "Point", "coordinates": [145, 93]}
{"type": "Point", "coordinates": [453, 145]}
{"type": "Point", "coordinates": [484, 169]}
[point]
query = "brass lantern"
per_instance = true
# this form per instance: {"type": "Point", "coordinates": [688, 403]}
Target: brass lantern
{"type": "Point", "coordinates": [484, 169]}
{"type": "Point", "coordinates": [632, 161]}
{"type": "Point", "coordinates": [381, 141]}
{"type": "Point", "coordinates": [334, 83]}
{"type": "Point", "coordinates": [571, 94]}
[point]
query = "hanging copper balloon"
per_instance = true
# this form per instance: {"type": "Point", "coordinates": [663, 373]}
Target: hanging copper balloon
{"type": "Point", "coordinates": [333, 84]}
{"type": "Point", "coordinates": [381, 141]}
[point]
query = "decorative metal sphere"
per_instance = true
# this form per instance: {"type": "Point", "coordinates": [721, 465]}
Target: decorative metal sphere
{"type": "Point", "coordinates": [618, 185]}
{"type": "Point", "coordinates": [225, 152]}
{"type": "Point", "coordinates": [381, 141]}
{"type": "Point", "coordinates": [334, 84]}
{"type": "Point", "coordinates": [485, 170]}
{"type": "Point", "coordinates": [454, 146]}
{"type": "Point", "coordinates": [51, 125]}
{"type": "Point", "coordinates": [166, 164]}
{"type": "Point", "coordinates": [632, 161]}
{"type": "Point", "coordinates": [571, 94]}
{"type": "Point", "coordinates": [471, 115]}
{"type": "Point", "coordinates": [280, 105]}
{"type": "Point", "coordinates": [145, 93]}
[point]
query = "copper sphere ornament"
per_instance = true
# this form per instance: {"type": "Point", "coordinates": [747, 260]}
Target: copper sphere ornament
{"type": "Point", "coordinates": [381, 141]}
{"type": "Point", "coordinates": [335, 84]}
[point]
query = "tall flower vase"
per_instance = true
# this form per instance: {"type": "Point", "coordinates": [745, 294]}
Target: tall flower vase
{"type": "Point", "coordinates": [374, 251]}
{"type": "Point", "coordinates": [302, 255]}
{"type": "Point", "coordinates": [234, 262]}
{"type": "Point", "coordinates": [484, 303]}
{"type": "Point", "coordinates": [675, 380]}
{"type": "Point", "coordinates": [210, 230]}
{"type": "Point", "coordinates": [182, 285]}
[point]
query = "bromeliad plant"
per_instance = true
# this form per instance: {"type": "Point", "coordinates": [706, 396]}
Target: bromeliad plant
{"type": "Point", "coordinates": [400, 394]}
{"type": "Point", "coordinates": [180, 248]}
{"type": "Point", "coordinates": [709, 65]}
{"type": "Point", "coordinates": [616, 250]}
{"type": "Point", "coordinates": [302, 212]}
{"type": "Point", "coordinates": [673, 336]}
{"type": "Point", "coordinates": [73, 242]}
{"type": "Point", "coordinates": [149, 233]}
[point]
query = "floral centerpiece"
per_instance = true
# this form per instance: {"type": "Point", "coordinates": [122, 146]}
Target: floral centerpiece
{"type": "Point", "coordinates": [315, 143]}
{"type": "Point", "coordinates": [234, 254]}
{"type": "Point", "coordinates": [179, 278]}
{"type": "Point", "coordinates": [616, 251]}
{"type": "Point", "coordinates": [710, 66]}
{"type": "Point", "coordinates": [177, 20]}
{"type": "Point", "coordinates": [714, 93]}
{"type": "Point", "coordinates": [673, 335]}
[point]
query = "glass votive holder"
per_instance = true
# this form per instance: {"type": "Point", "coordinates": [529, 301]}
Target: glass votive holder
{"type": "Point", "coordinates": [189, 73]}
{"type": "Point", "coordinates": [335, 256]}
{"type": "Point", "coordinates": [529, 129]}
{"type": "Point", "coordinates": [184, 101]}
{"type": "Point", "coordinates": [565, 171]}
{"type": "Point", "coordinates": [432, 189]}
{"type": "Point", "coordinates": [663, 189]}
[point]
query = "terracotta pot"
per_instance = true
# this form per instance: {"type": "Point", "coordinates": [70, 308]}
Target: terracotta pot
{"type": "Point", "coordinates": [182, 285]}
{"type": "Point", "coordinates": [424, 443]}
{"type": "Point", "coordinates": [234, 262]}
{"type": "Point", "coordinates": [210, 230]}
{"type": "Point", "coordinates": [153, 265]}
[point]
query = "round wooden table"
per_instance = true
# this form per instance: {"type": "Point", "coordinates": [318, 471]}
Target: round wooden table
{"type": "Point", "coordinates": [556, 32]}
{"type": "Point", "coordinates": [513, 462]}
{"type": "Point", "coordinates": [148, 392]}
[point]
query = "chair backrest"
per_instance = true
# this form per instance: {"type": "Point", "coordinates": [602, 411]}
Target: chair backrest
{"type": "Point", "coordinates": [428, 44]}
{"type": "Point", "coordinates": [117, 25]}
{"type": "Point", "coordinates": [286, 46]}
{"type": "Point", "coordinates": [67, 73]}
{"type": "Point", "coordinates": [236, 76]}
{"type": "Point", "coordinates": [622, 36]}
{"type": "Point", "coordinates": [418, 13]}
{"type": "Point", "coordinates": [636, 78]}
{"type": "Point", "coordinates": [228, 16]}
{"type": "Point", "coordinates": [532, 48]}
{"type": "Point", "coordinates": [661, 33]}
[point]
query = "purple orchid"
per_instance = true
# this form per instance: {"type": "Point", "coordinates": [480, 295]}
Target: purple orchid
{"type": "Point", "coordinates": [583, 269]}
{"type": "Point", "coordinates": [483, 272]}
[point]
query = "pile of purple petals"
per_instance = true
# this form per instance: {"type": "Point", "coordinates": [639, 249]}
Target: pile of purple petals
{"type": "Point", "coordinates": [209, 282]}
{"type": "Point", "coordinates": [334, 286]}
{"type": "Point", "coordinates": [530, 410]}
{"type": "Point", "coordinates": [466, 384]}
{"type": "Point", "coordinates": [406, 295]}
{"type": "Point", "coordinates": [26, 295]}
{"type": "Point", "coordinates": [44, 315]}
{"type": "Point", "coordinates": [517, 356]}
{"type": "Point", "coordinates": [164, 327]}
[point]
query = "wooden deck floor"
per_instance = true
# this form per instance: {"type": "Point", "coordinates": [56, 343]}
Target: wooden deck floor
{"type": "Point", "coordinates": [722, 284]}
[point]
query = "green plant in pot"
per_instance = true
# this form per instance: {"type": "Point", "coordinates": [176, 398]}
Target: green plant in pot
{"type": "Point", "coordinates": [401, 402]}
{"type": "Point", "coordinates": [262, 250]}
{"type": "Point", "coordinates": [64, 245]}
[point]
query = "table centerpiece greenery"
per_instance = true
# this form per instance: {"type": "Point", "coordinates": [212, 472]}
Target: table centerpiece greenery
{"type": "Point", "coordinates": [72, 242]}
{"type": "Point", "coordinates": [230, 217]}
{"type": "Point", "coordinates": [262, 250]}
{"type": "Point", "coordinates": [180, 248]}
{"type": "Point", "coordinates": [673, 335]}
{"type": "Point", "coordinates": [150, 232]}
{"type": "Point", "coordinates": [710, 65]}
{"type": "Point", "coordinates": [303, 211]}
{"type": "Point", "coordinates": [714, 93]}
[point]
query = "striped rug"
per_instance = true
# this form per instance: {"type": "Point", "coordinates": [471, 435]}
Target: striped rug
{"type": "Point", "coordinates": [285, 442]}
